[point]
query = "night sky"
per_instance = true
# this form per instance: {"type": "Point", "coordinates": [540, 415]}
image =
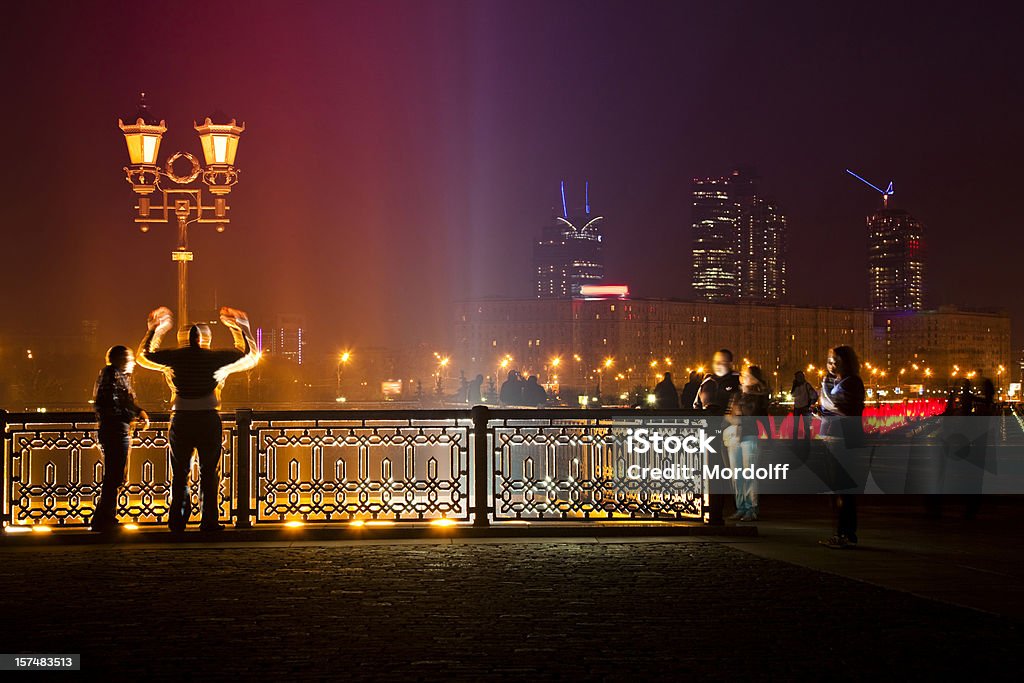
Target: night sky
{"type": "Point", "coordinates": [398, 156]}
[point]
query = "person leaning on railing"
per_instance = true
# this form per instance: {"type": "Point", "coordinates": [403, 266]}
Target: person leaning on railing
{"type": "Point", "coordinates": [116, 410]}
{"type": "Point", "coordinates": [196, 375]}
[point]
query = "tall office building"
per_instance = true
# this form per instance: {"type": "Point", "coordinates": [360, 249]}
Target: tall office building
{"type": "Point", "coordinates": [739, 241]}
{"type": "Point", "coordinates": [568, 253]}
{"type": "Point", "coordinates": [895, 260]}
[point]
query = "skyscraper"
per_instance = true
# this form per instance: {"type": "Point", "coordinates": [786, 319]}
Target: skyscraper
{"type": "Point", "coordinates": [739, 241]}
{"type": "Point", "coordinates": [568, 253]}
{"type": "Point", "coordinates": [895, 260]}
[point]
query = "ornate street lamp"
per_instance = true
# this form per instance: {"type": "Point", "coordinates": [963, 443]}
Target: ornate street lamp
{"type": "Point", "coordinates": [143, 140]}
{"type": "Point", "coordinates": [182, 196]}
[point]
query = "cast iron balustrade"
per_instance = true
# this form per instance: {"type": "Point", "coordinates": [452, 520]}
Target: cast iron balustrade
{"type": "Point", "coordinates": [478, 466]}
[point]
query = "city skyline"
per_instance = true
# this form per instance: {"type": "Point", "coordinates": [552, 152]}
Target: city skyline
{"type": "Point", "coordinates": [403, 174]}
{"type": "Point", "coordinates": [739, 240]}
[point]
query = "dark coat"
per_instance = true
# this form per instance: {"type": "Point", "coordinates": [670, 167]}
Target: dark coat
{"type": "Point", "coordinates": [751, 408]}
{"type": "Point", "coordinates": [114, 399]}
{"type": "Point", "coordinates": [665, 395]}
{"type": "Point", "coordinates": [715, 393]}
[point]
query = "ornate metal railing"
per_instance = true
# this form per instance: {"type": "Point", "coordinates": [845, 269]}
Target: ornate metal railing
{"type": "Point", "coordinates": [344, 466]}
{"type": "Point", "coordinates": [53, 471]}
{"type": "Point", "coordinates": [349, 466]}
{"type": "Point", "coordinates": [556, 464]}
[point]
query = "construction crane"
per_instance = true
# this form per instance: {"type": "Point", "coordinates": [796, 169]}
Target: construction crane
{"type": "Point", "coordinates": [886, 193]}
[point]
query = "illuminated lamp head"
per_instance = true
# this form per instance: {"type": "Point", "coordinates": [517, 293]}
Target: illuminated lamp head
{"type": "Point", "coordinates": [199, 336]}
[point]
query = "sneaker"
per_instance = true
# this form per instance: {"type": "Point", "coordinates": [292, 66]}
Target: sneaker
{"type": "Point", "coordinates": [836, 542]}
{"type": "Point", "coordinates": [211, 527]}
{"type": "Point", "coordinates": [736, 515]}
{"type": "Point", "coordinates": [105, 527]}
{"type": "Point", "coordinates": [851, 539]}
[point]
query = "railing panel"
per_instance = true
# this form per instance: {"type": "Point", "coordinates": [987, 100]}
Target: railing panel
{"type": "Point", "coordinates": [575, 467]}
{"type": "Point", "coordinates": [361, 466]}
{"type": "Point", "coordinates": [54, 472]}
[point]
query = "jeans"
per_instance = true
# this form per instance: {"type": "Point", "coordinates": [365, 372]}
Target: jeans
{"type": "Point", "coordinates": [114, 442]}
{"type": "Point", "coordinates": [746, 489]}
{"type": "Point", "coordinates": [195, 430]}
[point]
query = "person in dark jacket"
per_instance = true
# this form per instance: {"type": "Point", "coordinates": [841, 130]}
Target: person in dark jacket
{"type": "Point", "coordinates": [690, 391]}
{"type": "Point", "coordinates": [714, 397]}
{"type": "Point", "coordinates": [533, 392]}
{"type": "Point", "coordinates": [842, 408]}
{"type": "Point", "coordinates": [717, 388]}
{"type": "Point", "coordinates": [474, 390]}
{"type": "Point", "coordinates": [665, 395]}
{"type": "Point", "coordinates": [116, 410]}
{"type": "Point", "coordinates": [804, 396]}
{"type": "Point", "coordinates": [748, 409]}
{"type": "Point", "coordinates": [196, 374]}
{"type": "Point", "coordinates": [511, 392]}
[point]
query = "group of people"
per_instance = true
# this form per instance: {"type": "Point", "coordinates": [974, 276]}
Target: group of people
{"type": "Point", "coordinates": [741, 398]}
{"type": "Point", "coordinates": [516, 391]}
{"type": "Point", "coordinates": [195, 374]}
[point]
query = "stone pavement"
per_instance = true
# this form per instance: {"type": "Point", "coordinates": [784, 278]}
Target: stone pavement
{"type": "Point", "coordinates": [974, 563]}
{"type": "Point", "coordinates": [480, 610]}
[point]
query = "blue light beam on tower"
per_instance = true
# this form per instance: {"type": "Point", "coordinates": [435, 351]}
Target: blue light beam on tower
{"type": "Point", "coordinates": [885, 193]}
{"type": "Point", "coordinates": [565, 211]}
{"type": "Point", "coordinates": [587, 186]}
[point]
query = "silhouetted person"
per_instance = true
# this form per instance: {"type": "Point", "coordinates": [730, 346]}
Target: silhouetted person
{"type": "Point", "coordinates": [196, 375]}
{"type": "Point", "coordinates": [665, 395]}
{"type": "Point", "coordinates": [804, 396]}
{"type": "Point", "coordinates": [533, 393]}
{"type": "Point", "coordinates": [714, 397]}
{"type": "Point", "coordinates": [116, 409]}
{"type": "Point", "coordinates": [690, 390]}
{"type": "Point", "coordinates": [511, 393]}
{"type": "Point", "coordinates": [842, 429]}
{"type": "Point", "coordinates": [473, 391]}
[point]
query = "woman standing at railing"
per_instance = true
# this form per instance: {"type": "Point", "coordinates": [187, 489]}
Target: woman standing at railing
{"type": "Point", "coordinates": [842, 410]}
{"type": "Point", "coordinates": [116, 410]}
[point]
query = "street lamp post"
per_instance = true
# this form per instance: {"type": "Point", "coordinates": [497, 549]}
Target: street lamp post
{"type": "Point", "coordinates": [220, 144]}
{"type": "Point", "coordinates": [343, 358]}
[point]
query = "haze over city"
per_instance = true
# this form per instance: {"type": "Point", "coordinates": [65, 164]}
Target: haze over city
{"type": "Point", "coordinates": [397, 161]}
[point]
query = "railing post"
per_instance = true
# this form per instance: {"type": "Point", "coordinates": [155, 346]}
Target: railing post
{"type": "Point", "coordinates": [4, 466]}
{"type": "Point", "coordinates": [243, 467]}
{"type": "Point", "coordinates": [480, 473]}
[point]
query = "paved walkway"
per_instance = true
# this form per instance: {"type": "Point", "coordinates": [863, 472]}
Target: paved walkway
{"type": "Point", "coordinates": [492, 609]}
{"type": "Point", "coordinates": [977, 563]}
